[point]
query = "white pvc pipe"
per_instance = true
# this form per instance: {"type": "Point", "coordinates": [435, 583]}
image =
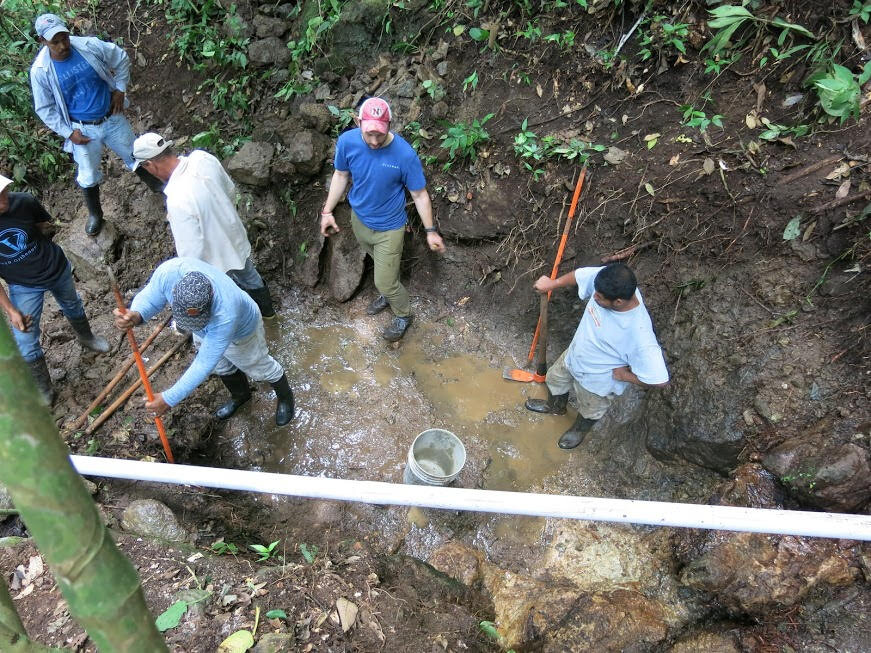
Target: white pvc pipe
{"type": "Point", "coordinates": [653, 513]}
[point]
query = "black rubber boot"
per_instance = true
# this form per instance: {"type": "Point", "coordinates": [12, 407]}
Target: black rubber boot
{"type": "Point", "coordinates": [377, 305]}
{"type": "Point", "coordinates": [576, 434]}
{"type": "Point", "coordinates": [553, 405]}
{"type": "Point", "coordinates": [95, 211]}
{"type": "Point", "coordinates": [39, 370]}
{"type": "Point", "coordinates": [263, 300]}
{"type": "Point", "coordinates": [87, 337]}
{"type": "Point", "coordinates": [397, 328]}
{"type": "Point", "coordinates": [153, 183]}
{"type": "Point", "coordinates": [237, 384]}
{"type": "Point", "coordinates": [284, 411]}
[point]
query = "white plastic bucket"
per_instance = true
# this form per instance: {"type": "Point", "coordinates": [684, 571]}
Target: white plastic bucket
{"type": "Point", "coordinates": [436, 457]}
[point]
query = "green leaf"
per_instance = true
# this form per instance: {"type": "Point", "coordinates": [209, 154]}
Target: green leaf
{"type": "Point", "coordinates": [478, 34]}
{"type": "Point", "coordinates": [729, 10]}
{"type": "Point", "coordinates": [308, 552]}
{"type": "Point", "coordinates": [276, 614]}
{"type": "Point", "coordinates": [238, 642]}
{"type": "Point", "coordinates": [769, 134]}
{"type": "Point", "coordinates": [779, 22]}
{"type": "Point", "coordinates": [171, 617]}
{"type": "Point", "coordinates": [649, 188]}
{"type": "Point", "coordinates": [489, 629]}
{"type": "Point", "coordinates": [793, 228]}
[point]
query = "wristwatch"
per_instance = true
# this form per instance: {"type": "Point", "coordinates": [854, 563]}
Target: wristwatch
{"type": "Point", "coordinates": [430, 230]}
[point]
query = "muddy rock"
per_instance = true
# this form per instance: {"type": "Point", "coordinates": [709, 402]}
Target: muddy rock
{"type": "Point", "coordinates": [315, 115]}
{"type": "Point", "coordinates": [711, 642]}
{"type": "Point", "coordinates": [252, 163]}
{"type": "Point", "coordinates": [750, 573]}
{"type": "Point", "coordinates": [310, 270]}
{"type": "Point", "coordinates": [829, 475]}
{"type": "Point", "coordinates": [275, 643]}
{"type": "Point", "coordinates": [270, 51]}
{"type": "Point", "coordinates": [526, 609]}
{"type": "Point", "coordinates": [457, 561]}
{"type": "Point", "coordinates": [89, 255]}
{"type": "Point", "coordinates": [307, 150]}
{"type": "Point", "coordinates": [492, 215]}
{"type": "Point", "coordinates": [151, 518]}
{"type": "Point", "coordinates": [346, 258]}
{"type": "Point", "coordinates": [752, 486]}
{"type": "Point", "coordinates": [266, 26]}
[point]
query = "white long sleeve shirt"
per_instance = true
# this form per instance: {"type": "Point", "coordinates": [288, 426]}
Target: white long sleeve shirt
{"type": "Point", "coordinates": [201, 210]}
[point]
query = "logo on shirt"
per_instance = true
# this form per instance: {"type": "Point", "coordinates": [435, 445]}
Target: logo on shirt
{"type": "Point", "coordinates": [594, 313]}
{"type": "Point", "coordinates": [391, 165]}
{"type": "Point", "coordinates": [12, 242]}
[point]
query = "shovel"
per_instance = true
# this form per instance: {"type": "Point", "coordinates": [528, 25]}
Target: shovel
{"type": "Point", "coordinates": [525, 376]}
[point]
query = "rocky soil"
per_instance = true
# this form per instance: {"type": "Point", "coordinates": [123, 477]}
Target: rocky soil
{"type": "Point", "coordinates": [766, 340]}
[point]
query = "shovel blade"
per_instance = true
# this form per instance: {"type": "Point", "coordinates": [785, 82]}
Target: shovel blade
{"type": "Point", "coordinates": [522, 376]}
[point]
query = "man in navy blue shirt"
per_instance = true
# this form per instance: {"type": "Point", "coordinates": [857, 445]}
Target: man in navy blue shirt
{"type": "Point", "coordinates": [79, 85]}
{"type": "Point", "coordinates": [32, 265]}
{"type": "Point", "coordinates": [381, 165]}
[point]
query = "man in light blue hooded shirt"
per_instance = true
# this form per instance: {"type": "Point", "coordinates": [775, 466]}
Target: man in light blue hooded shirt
{"type": "Point", "coordinates": [79, 86]}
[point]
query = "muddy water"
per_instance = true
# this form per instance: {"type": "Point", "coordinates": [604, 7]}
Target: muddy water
{"type": "Point", "coordinates": [361, 402]}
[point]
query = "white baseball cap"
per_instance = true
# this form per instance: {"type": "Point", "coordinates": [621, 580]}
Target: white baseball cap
{"type": "Point", "coordinates": [148, 146]}
{"type": "Point", "coordinates": [4, 182]}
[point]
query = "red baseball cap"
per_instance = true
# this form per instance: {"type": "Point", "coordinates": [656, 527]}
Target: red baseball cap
{"type": "Point", "coordinates": [375, 115]}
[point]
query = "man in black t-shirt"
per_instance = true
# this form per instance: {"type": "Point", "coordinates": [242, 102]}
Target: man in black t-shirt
{"type": "Point", "coordinates": [31, 264]}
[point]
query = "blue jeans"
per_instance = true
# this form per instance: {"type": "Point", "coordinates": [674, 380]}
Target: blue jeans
{"type": "Point", "coordinates": [116, 134]}
{"type": "Point", "coordinates": [248, 278]}
{"type": "Point", "coordinates": [29, 301]}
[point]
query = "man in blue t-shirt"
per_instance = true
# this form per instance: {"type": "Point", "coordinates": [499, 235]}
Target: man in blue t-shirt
{"type": "Point", "coordinates": [381, 165]}
{"type": "Point", "coordinates": [79, 86]}
{"type": "Point", "coordinates": [31, 264]}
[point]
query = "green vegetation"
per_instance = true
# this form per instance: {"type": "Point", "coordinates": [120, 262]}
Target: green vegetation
{"type": "Point", "coordinates": [462, 140]}
{"type": "Point", "coordinates": [693, 117]}
{"type": "Point", "coordinates": [28, 151]}
{"type": "Point", "coordinates": [728, 19]}
{"type": "Point", "coordinates": [839, 90]}
{"type": "Point", "coordinates": [435, 90]}
{"type": "Point", "coordinates": [220, 547]}
{"type": "Point", "coordinates": [662, 35]}
{"type": "Point", "coordinates": [265, 552]}
{"type": "Point", "coordinates": [532, 150]}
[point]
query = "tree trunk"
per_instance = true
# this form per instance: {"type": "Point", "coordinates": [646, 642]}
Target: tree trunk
{"type": "Point", "coordinates": [100, 585]}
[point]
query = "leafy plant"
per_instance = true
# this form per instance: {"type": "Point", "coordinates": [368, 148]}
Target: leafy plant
{"type": "Point", "coordinates": [774, 131]}
{"type": "Point", "coordinates": [532, 31]}
{"type": "Point", "coordinates": [345, 117]}
{"type": "Point", "coordinates": [471, 81]}
{"type": "Point", "coordinates": [435, 90]}
{"type": "Point", "coordinates": [563, 39]}
{"type": "Point", "coordinates": [660, 35]}
{"type": "Point", "coordinates": [265, 552]}
{"type": "Point", "coordinates": [727, 19]}
{"type": "Point", "coordinates": [693, 117]}
{"type": "Point", "coordinates": [716, 63]}
{"type": "Point", "coordinates": [308, 552]}
{"type": "Point", "coordinates": [839, 90]}
{"type": "Point", "coordinates": [462, 140]}
{"type": "Point", "coordinates": [220, 547]}
{"type": "Point", "coordinates": [861, 10]}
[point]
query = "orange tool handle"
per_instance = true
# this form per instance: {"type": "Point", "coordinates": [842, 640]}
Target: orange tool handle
{"type": "Point", "coordinates": [559, 253]}
{"type": "Point", "coordinates": [146, 383]}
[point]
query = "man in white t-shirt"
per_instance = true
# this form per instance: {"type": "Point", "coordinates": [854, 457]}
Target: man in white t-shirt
{"type": "Point", "coordinates": [614, 345]}
{"type": "Point", "coordinates": [201, 210]}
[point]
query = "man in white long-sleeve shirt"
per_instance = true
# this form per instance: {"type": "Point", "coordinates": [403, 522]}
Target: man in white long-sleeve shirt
{"type": "Point", "coordinates": [201, 210]}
